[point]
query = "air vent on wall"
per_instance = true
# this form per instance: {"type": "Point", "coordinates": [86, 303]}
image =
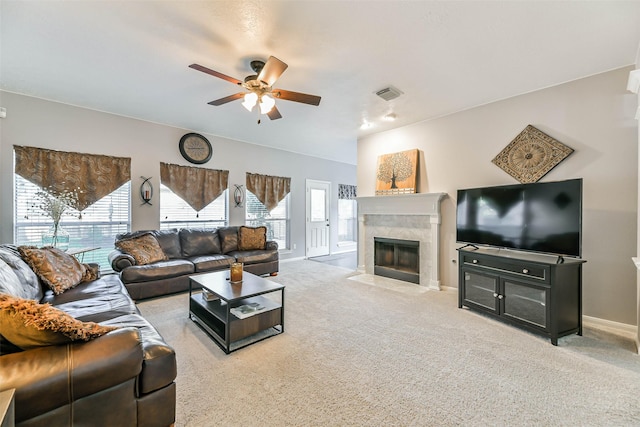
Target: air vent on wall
{"type": "Point", "coordinates": [389, 93]}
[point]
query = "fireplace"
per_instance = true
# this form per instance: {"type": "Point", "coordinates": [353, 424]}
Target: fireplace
{"type": "Point", "coordinates": [397, 259]}
{"type": "Point", "coordinates": [408, 217]}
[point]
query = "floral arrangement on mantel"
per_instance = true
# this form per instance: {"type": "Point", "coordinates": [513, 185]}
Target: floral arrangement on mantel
{"type": "Point", "coordinates": [55, 207]}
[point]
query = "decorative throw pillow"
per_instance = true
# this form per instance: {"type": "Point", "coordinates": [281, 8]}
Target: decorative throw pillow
{"type": "Point", "coordinates": [7, 348]}
{"type": "Point", "coordinates": [27, 324]}
{"type": "Point", "coordinates": [91, 272]}
{"type": "Point", "coordinates": [252, 238]}
{"type": "Point", "coordinates": [56, 268]}
{"type": "Point", "coordinates": [145, 249]}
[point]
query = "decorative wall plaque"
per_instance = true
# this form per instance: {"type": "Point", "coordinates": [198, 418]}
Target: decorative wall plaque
{"type": "Point", "coordinates": [396, 173]}
{"type": "Point", "coordinates": [531, 155]}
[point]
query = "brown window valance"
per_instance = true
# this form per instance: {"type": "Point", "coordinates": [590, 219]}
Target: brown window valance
{"type": "Point", "coordinates": [92, 176]}
{"type": "Point", "coordinates": [270, 190]}
{"type": "Point", "coordinates": [196, 186]}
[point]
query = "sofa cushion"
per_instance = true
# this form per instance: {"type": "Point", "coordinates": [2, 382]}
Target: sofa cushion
{"type": "Point", "coordinates": [144, 248]}
{"type": "Point", "coordinates": [204, 263]}
{"type": "Point", "coordinates": [252, 238]}
{"type": "Point", "coordinates": [228, 239]}
{"type": "Point", "coordinates": [199, 242]}
{"type": "Point", "coordinates": [9, 281]}
{"type": "Point", "coordinates": [56, 268]}
{"type": "Point", "coordinates": [95, 301]}
{"type": "Point", "coordinates": [157, 270]}
{"type": "Point", "coordinates": [29, 281]}
{"type": "Point", "coordinates": [254, 257]}
{"type": "Point", "coordinates": [159, 368]}
{"type": "Point", "coordinates": [28, 324]}
{"type": "Point", "coordinates": [169, 241]}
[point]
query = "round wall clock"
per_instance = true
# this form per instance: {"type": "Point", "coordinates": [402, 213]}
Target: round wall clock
{"type": "Point", "coordinates": [195, 148]}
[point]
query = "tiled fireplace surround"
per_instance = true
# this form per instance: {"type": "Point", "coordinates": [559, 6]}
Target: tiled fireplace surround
{"type": "Point", "coordinates": [406, 217]}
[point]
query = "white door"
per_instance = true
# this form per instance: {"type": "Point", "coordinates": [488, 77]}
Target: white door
{"type": "Point", "coordinates": [318, 227]}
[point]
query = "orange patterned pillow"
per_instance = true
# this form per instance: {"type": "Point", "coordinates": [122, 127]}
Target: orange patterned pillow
{"type": "Point", "coordinates": [145, 249]}
{"type": "Point", "coordinates": [252, 238]}
{"type": "Point", "coordinates": [56, 268]}
{"type": "Point", "coordinates": [27, 324]}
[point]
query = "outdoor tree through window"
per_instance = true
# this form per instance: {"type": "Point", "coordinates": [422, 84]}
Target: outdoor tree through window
{"type": "Point", "coordinates": [95, 229]}
{"type": "Point", "coordinates": [277, 221]}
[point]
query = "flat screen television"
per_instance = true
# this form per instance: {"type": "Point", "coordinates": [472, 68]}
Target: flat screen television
{"type": "Point", "coordinates": [542, 217]}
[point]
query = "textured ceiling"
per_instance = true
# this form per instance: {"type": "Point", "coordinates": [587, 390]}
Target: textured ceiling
{"type": "Point", "coordinates": [131, 58]}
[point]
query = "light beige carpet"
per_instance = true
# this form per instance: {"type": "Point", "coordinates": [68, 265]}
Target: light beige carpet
{"type": "Point", "coordinates": [358, 354]}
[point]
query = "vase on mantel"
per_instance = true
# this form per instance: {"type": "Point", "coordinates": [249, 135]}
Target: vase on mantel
{"type": "Point", "coordinates": [57, 237]}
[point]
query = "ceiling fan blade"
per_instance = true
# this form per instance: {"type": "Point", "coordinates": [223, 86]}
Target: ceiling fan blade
{"type": "Point", "coordinates": [215, 73]}
{"type": "Point", "coordinates": [274, 114]}
{"type": "Point", "coordinates": [272, 70]}
{"type": "Point", "coordinates": [296, 96]}
{"type": "Point", "coordinates": [227, 99]}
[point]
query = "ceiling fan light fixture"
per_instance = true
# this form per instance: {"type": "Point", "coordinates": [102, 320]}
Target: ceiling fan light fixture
{"type": "Point", "coordinates": [258, 86]}
{"type": "Point", "coordinates": [250, 100]}
{"type": "Point", "coordinates": [266, 103]}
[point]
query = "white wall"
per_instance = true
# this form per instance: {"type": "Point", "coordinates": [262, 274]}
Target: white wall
{"type": "Point", "coordinates": [633, 79]}
{"type": "Point", "coordinates": [39, 123]}
{"type": "Point", "coordinates": [595, 117]}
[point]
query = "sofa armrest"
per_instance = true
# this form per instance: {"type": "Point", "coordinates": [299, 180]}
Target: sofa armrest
{"type": "Point", "coordinates": [49, 377]}
{"type": "Point", "coordinates": [119, 260]}
{"type": "Point", "coordinates": [271, 244]}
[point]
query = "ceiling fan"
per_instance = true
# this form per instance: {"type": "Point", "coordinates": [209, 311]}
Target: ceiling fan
{"type": "Point", "coordinates": [260, 89]}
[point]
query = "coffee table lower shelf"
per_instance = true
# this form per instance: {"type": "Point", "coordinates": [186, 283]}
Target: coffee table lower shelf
{"type": "Point", "coordinates": [232, 333]}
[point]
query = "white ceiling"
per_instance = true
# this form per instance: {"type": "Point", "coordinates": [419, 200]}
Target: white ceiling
{"type": "Point", "coordinates": [131, 58]}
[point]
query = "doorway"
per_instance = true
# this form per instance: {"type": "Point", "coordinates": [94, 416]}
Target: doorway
{"type": "Point", "coordinates": [318, 227]}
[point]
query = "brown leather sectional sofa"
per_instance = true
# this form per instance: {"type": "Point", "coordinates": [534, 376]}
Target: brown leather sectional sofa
{"type": "Point", "coordinates": [189, 251]}
{"type": "Point", "coordinates": [123, 378]}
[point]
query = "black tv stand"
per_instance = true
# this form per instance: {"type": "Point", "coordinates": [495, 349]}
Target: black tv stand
{"type": "Point", "coordinates": [536, 292]}
{"type": "Point", "coordinates": [469, 245]}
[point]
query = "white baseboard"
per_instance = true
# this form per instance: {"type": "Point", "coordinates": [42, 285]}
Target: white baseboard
{"type": "Point", "coordinates": [293, 259]}
{"type": "Point", "coordinates": [617, 328]}
{"type": "Point", "coordinates": [623, 329]}
{"type": "Point", "coordinates": [344, 251]}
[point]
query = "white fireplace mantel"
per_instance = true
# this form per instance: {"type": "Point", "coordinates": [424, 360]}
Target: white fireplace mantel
{"type": "Point", "coordinates": [401, 204]}
{"type": "Point", "coordinates": [403, 216]}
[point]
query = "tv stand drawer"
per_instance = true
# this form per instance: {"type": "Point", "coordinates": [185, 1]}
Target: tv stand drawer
{"type": "Point", "coordinates": [506, 265]}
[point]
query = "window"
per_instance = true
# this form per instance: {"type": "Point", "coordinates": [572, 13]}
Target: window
{"type": "Point", "coordinates": [276, 221]}
{"type": "Point", "coordinates": [347, 221]}
{"type": "Point", "coordinates": [97, 228]}
{"type": "Point", "coordinates": [176, 213]}
{"type": "Point", "coordinates": [347, 214]}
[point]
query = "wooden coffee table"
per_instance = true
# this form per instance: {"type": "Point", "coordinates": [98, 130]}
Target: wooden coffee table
{"type": "Point", "coordinates": [216, 318]}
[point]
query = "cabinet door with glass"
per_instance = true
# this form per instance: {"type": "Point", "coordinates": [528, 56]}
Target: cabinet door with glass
{"type": "Point", "coordinates": [524, 302]}
{"type": "Point", "coordinates": [479, 289]}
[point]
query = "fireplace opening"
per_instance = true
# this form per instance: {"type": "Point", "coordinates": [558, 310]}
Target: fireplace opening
{"type": "Point", "coordinates": [397, 259]}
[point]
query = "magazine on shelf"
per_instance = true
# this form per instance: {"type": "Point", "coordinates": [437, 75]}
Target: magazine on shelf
{"type": "Point", "coordinates": [247, 310]}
